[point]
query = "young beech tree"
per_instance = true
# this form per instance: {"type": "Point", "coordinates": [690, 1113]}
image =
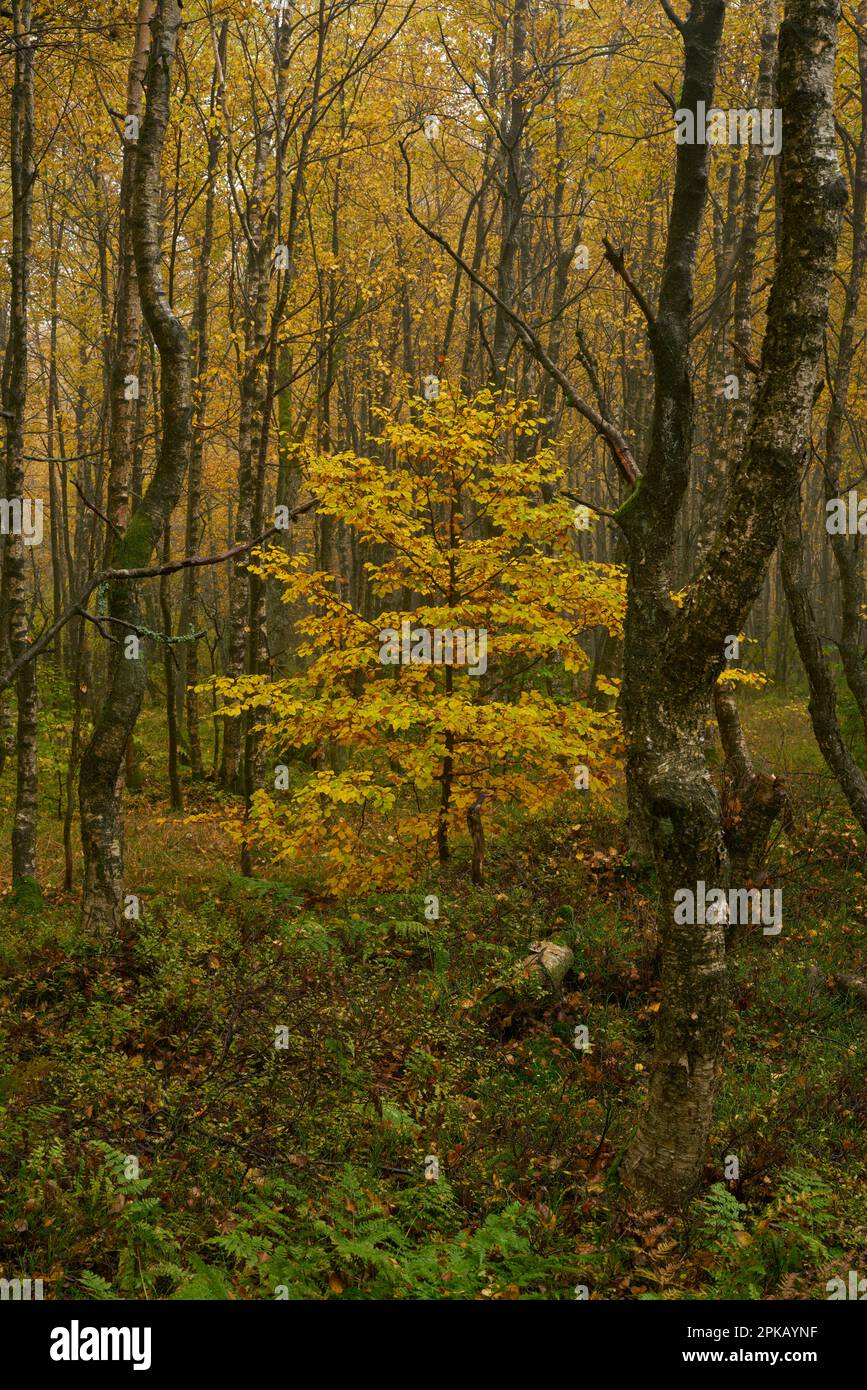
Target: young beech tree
{"type": "Point", "coordinates": [461, 690]}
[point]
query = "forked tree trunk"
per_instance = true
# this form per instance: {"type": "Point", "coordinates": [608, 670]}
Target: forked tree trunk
{"type": "Point", "coordinates": [102, 768]}
{"type": "Point", "coordinates": [674, 657]}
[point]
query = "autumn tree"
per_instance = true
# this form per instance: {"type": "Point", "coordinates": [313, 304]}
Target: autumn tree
{"type": "Point", "coordinates": [464, 694]}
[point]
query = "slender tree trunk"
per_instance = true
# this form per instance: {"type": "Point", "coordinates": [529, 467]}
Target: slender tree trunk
{"type": "Point", "coordinates": [124, 386]}
{"type": "Point", "coordinates": [513, 185]}
{"type": "Point", "coordinates": [823, 693]}
{"type": "Point", "coordinates": [78, 666]}
{"type": "Point", "coordinates": [251, 390]}
{"type": "Point", "coordinates": [58, 586]}
{"type": "Point", "coordinates": [24, 828]}
{"type": "Point", "coordinates": [201, 346]}
{"type": "Point", "coordinates": [170, 673]}
{"type": "Point", "coordinates": [848, 550]}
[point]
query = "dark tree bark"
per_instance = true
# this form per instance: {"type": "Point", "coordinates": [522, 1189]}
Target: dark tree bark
{"type": "Point", "coordinates": [674, 657]}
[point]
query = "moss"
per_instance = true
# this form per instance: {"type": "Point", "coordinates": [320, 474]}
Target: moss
{"type": "Point", "coordinates": [133, 549]}
{"type": "Point", "coordinates": [26, 894]}
{"type": "Point", "coordinates": [624, 512]}
{"type": "Point", "coordinates": [665, 828]}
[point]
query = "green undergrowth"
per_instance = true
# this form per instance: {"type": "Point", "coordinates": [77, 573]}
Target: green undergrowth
{"type": "Point", "coordinates": [156, 1143]}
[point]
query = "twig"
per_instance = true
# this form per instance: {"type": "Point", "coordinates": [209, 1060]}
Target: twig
{"type": "Point", "coordinates": [664, 92]}
{"type": "Point", "coordinates": [97, 622]}
{"type": "Point", "coordinates": [92, 507]}
{"type": "Point", "coordinates": [615, 259]}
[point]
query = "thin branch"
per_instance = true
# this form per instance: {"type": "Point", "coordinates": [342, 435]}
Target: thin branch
{"type": "Point", "coordinates": [615, 259]}
{"type": "Point", "coordinates": [617, 442]}
{"type": "Point", "coordinates": [93, 508]}
{"type": "Point", "coordinates": [667, 96]}
{"type": "Point", "coordinates": [109, 575]}
{"type": "Point", "coordinates": [97, 622]}
{"type": "Point", "coordinates": [675, 18]}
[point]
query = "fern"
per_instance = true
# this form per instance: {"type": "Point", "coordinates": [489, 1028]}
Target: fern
{"type": "Point", "coordinates": [96, 1286]}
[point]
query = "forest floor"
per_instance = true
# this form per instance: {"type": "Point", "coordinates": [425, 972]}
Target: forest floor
{"type": "Point", "coordinates": [299, 1170]}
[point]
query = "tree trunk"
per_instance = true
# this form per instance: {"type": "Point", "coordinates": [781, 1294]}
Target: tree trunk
{"type": "Point", "coordinates": [847, 549]}
{"type": "Point", "coordinates": [170, 672]}
{"type": "Point", "coordinates": [673, 657]}
{"type": "Point", "coordinates": [102, 769]}
{"type": "Point", "coordinates": [24, 827]}
{"type": "Point", "coordinates": [823, 693]}
{"type": "Point", "coordinates": [201, 341]}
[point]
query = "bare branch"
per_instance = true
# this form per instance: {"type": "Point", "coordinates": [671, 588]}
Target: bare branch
{"type": "Point", "coordinates": [616, 261]}
{"type": "Point", "coordinates": [616, 441]}
{"type": "Point", "coordinates": [667, 95]}
{"type": "Point", "coordinates": [91, 507]}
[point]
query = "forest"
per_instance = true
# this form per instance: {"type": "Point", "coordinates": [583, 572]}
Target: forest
{"type": "Point", "coordinates": [433, 650]}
